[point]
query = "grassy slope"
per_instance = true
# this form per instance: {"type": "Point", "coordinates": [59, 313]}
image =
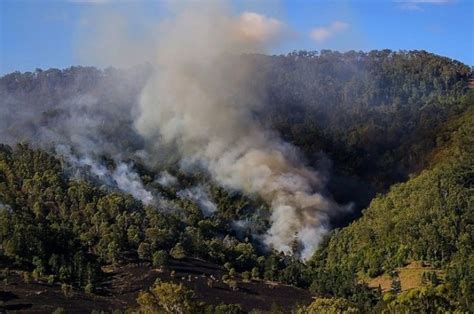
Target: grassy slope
{"type": "Point", "coordinates": [410, 277]}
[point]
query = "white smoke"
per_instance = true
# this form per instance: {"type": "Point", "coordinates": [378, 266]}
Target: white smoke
{"type": "Point", "coordinates": [129, 181]}
{"type": "Point", "coordinates": [201, 98]}
{"type": "Point", "coordinates": [199, 196]}
{"type": "Point", "coordinates": [166, 179]}
{"type": "Point", "coordinates": [123, 176]}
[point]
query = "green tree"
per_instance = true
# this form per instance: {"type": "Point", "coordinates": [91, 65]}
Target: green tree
{"type": "Point", "coordinates": [170, 297]}
{"type": "Point", "coordinates": [178, 252]}
{"type": "Point", "coordinates": [160, 258]}
{"type": "Point", "coordinates": [329, 306]}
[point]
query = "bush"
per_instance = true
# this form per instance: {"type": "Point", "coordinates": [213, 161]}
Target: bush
{"type": "Point", "coordinates": [255, 273]}
{"type": "Point", "coordinates": [144, 251]}
{"type": "Point", "coordinates": [59, 310]}
{"type": "Point", "coordinates": [232, 283]}
{"type": "Point", "coordinates": [225, 309]}
{"type": "Point", "coordinates": [160, 259]}
{"type": "Point", "coordinates": [329, 306]}
{"type": "Point", "coordinates": [178, 252]}
{"type": "Point", "coordinates": [89, 288]}
{"type": "Point", "coordinates": [67, 290]}
{"type": "Point", "coordinates": [170, 297]}
{"type": "Point", "coordinates": [26, 277]}
{"type": "Point", "coordinates": [246, 275]}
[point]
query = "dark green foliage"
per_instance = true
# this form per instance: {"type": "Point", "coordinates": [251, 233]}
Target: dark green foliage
{"type": "Point", "coordinates": [342, 282]}
{"type": "Point", "coordinates": [460, 279]}
{"type": "Point", "coordinates": [396, 285]}
{"type": "Point", "coordinates": [429, 218]}
{"type": "Point", "coordinates": [35, 229]}
{"type": "Point", "coordinates": [66, 228]}
{"type": "Point", "coordinates": [160, 258]}
{"type": "Point", "coordinates": [223, 309]}
{"type": "Point", "coordinates": [374, 113]}
{"type": "Point", "coordinates": [419, 300]}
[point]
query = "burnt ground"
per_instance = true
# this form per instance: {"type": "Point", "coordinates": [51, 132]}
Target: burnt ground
{"type": "Point", "coordinates": [122, 284]}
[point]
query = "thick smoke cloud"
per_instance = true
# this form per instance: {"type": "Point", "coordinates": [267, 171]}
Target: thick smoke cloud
{"type": "Point", "coordinates": [201, 98]}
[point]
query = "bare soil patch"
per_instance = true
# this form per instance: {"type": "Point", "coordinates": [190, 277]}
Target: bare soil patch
{"type": "Point", "coordinates": [121, 285]}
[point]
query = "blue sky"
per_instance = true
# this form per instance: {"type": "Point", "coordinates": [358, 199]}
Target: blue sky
{"type": "Point", "coordinates": [45, 33]}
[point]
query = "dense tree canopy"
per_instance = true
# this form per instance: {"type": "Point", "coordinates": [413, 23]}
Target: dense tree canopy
{"type": "Point", "coordinates": [429, 218]}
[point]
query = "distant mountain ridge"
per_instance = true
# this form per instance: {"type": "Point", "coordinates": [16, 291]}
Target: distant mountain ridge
{"type": "Point", "coordinates": [371, 113]}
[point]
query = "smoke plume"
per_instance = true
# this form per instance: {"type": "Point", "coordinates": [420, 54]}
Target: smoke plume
{"type": "Point", "coordinates": [201, 97]}
{"type": "Point", "coordinates": [166, 179]}
{"type": "Point", "coordinates": [202, 94]}
{"type": "Point", "coordinates": [122, 177]}
{"type": "Point", "coordinates": [199, 196]}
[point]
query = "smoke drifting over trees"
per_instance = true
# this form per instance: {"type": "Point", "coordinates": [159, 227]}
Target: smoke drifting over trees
{"type": "Point", "coordinates": [204, 95]}
{"type": "Point", "coordinates": [202, 100]}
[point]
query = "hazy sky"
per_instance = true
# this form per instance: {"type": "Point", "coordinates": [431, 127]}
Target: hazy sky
{"type": "Point", "coordinates": [46, 33]}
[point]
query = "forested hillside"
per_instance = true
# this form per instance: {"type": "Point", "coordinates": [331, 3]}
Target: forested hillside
{"type": "Point", "coordinates": [375, 115]}
{"type": "Point", "coordinates": [59, 229]}
{"type": "Point", "coordinates": [429, 218]}
{"type": "Point", "coordinates": [392, 131]}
